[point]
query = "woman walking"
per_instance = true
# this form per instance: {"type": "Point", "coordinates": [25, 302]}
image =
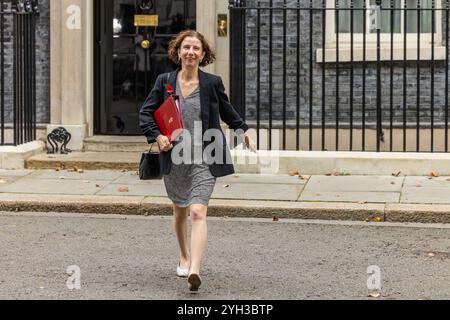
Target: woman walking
{"type": "Point", "coordinates": [190, 184]}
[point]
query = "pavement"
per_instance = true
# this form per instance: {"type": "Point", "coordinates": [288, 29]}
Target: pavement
{"type": "Point", "coordinates": [135, 258]}
{"type": "Point", "coordinates": [424, 199]}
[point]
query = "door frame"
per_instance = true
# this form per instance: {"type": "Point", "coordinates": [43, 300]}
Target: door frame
{"type": "Point", "coordinates": [102, 41]}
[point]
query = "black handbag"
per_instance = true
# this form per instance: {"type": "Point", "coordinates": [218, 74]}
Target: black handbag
{"type": "Point", "coordinates": [149, 167]}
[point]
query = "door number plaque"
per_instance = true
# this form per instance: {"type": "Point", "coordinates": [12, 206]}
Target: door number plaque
{"type": "Point", "coordinates": [144, 20]}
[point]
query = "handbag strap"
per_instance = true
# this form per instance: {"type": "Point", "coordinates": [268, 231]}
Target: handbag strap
{"type": "Point", "coordinates": [151, 147]}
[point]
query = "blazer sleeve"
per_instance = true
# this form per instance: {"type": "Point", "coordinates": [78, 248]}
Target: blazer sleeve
{"type": "Point", "coordinates": [227, 112]}
{"type": "Point", "coordinates": [146, 115]}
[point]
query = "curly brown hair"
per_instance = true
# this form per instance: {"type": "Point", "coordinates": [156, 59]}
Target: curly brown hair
{"type": "Point", "coordinates": [175, 45]}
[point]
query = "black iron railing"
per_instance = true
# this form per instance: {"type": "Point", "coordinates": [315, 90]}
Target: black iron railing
{"type": "Point", "coordinates": [349, 75]}
{"type": "Point", "coordinates": [18, 71]}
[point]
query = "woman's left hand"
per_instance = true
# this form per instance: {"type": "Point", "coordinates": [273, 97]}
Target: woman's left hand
{"type": "Point", "coordinates": [249, 143]}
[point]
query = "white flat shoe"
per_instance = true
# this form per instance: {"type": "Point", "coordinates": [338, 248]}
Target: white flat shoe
{"type": "Point", "coordinates": [182, 273]}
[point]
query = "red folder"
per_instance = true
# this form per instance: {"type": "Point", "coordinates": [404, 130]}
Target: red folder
{"type": "Point", "coordinates": [168, 118]}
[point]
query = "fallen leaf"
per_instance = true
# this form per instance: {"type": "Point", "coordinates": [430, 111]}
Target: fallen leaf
{"type": "Point", "coordinates": [124, 189]}
{"type": "Point", "coordinates": [362, 202]}
{"type": "Point", "coordinates": [329, 174]}
{"type": "Point", "coordinates": [373, 295]}
{"type": "Point", "coordinates": [97, 186]}
{"type": "Point", "coordinates": [302, 177]}
{"type": "Point", "coordinates": [74, 169]}
{"type": "Point", "coordinates": [376, 219]}
{"type": "Point", "coordinates": [397, 174]}
{"type": "Point", "coordinates": [275, 218]}
{"type": "Point", "coordinates": [339, 174]}
{"type": "Point", "coordinates": [294, 173]}
{"type": "Point", "coordinates": [57, 169]}
{"type": "Point", "coordinates": [392, 182]}
{"type": "Point", "coordinates": [434, 174]}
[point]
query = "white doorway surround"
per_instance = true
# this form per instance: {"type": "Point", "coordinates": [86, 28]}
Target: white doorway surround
{"type": "Point", "coordinates": [71, 68]}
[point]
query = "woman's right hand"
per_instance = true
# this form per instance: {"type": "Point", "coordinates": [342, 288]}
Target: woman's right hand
{"type": "Point", "coordinates": [164, 143]}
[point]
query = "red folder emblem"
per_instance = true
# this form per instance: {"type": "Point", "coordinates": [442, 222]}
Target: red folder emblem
{"type": "Point", "coordinates": [168, 118]}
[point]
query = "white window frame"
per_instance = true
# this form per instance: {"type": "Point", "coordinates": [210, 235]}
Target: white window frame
{"type": "Point", "coordinates": [385, 39]}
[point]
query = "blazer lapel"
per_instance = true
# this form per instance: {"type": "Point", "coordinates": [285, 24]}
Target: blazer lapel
{"type": "Point", "coordinates": [204, 99]}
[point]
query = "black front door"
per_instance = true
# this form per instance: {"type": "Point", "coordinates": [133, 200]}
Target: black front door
{"type": "Point", "coordinates": [128, 58]}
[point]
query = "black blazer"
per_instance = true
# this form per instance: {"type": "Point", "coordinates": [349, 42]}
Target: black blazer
{"type": "Point", "coordinates": [215, 105]}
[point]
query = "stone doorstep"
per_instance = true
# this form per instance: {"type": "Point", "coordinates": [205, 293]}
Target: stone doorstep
{"type": "Point", "coordinates": [276, 162]}
{"type": "Point", "coordinates": [86, 160]}
{"type": "Point", "coordinates": [273, 210]}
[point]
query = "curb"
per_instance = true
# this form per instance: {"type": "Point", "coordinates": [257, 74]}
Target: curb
{"type": "Point", "coordinates": [153, 206]}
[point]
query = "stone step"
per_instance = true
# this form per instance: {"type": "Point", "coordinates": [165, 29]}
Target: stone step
{"type": "Point", "coordinates": [86, 160]}
{"type": "Point", "coordinates": [282, 162]}
{"type": "Point", "coordinates": [116, 144]}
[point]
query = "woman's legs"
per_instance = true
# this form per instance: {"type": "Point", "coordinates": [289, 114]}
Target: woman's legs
{"type": "Point", "coordinates": [181, 229]}
{"type": "Point", "coordinates": [198, 237]}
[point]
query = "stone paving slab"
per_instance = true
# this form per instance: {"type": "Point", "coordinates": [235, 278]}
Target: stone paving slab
{"type": "Point", "coordinates": [152, 190]}
{"type": "Point", "coordinates": [132, 157]}
{"type": "Point", "coordinates": [443, 182]}
{"type": "Point", "coordinates": [425, 195]}
{"type": "Point", "coordinates": [15, 173]}
{"type": "Point", "coordinates": [264, 178]}
{"type": "Point", "coordinates": [258, 191]}
{"type": "Point", "coordinates": [354, 183]}
{"type": "Point", "coordinates": [354, 196]}
{"type": "Point", "coordinates": [131, 178]}
{"type": "Point", "coordinates": [8, 180]}
{"type": "Point", "coordinates": [54, 186]}
{"type": "Point", "coordinates": [105, 175]}
{"type": "Point", "coordinates": [232, 191]}
{"type": "Point", "coordinates": [63, 198]}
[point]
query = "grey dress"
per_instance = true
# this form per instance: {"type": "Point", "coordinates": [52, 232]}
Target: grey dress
{"type": "Point", "coordinates": [190, 183]}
